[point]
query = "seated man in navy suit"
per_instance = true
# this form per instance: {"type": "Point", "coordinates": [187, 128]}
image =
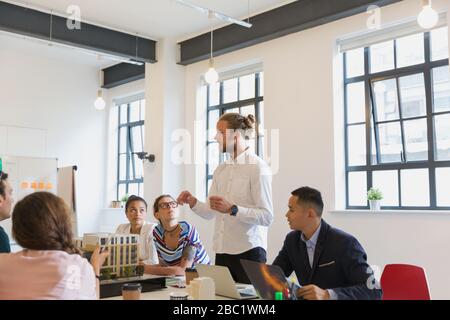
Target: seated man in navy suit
{"type": "Point", "coordinates": [329, 263]}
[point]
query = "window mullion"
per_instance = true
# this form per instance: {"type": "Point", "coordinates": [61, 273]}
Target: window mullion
{"type": "Point", "coordinates": [402, 129]}
{"type": "Point", "coordinates": [430, 125]}
{"type": "Point", "coordinates": [367, 117]}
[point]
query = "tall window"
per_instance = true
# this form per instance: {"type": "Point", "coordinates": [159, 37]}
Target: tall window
{"type": "Point", "coordinates": [397, 122]}
{"type": "Point", "coordinates": [130, 173]}
{"type": "Point", "coordinates": [244, 95]}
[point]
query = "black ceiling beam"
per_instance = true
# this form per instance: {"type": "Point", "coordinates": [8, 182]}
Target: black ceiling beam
{"type": "Point", "coordinates": [122, 73]}
{"type": "Point", "coordinates": [34, 23]}
{"type": "Point", "coordinates": [293, 17]}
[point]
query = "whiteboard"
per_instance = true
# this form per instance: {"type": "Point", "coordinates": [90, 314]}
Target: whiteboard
{"type": "Point", "coordinates": [27, 175]}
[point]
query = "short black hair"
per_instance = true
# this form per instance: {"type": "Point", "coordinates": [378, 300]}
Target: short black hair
{"type": "Point", "coordinates": [309, 196]}
{"type": "Point", "coordinates": [3, 178]}
{"type": "Point", "coordinates": [133, 199]}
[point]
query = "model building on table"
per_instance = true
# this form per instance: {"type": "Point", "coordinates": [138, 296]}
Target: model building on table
{"type": "Point", "coordinates": [123, 259]}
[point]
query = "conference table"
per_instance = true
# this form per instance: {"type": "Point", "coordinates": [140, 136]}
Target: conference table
{"type": "Point", "coordinates": [172, 284]}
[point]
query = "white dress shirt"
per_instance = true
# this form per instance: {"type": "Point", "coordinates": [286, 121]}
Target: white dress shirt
{"type": "Point", "coordinates": [147, 251]}
{"type": "Point", "coordinates": [246, 183]}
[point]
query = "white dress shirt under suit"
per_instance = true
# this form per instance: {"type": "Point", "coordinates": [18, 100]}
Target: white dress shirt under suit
{"type": "Point", "coordinates": [245, 182]}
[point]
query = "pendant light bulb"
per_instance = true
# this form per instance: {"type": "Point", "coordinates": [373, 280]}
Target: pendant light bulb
{"type": "Point", "coordinates": [100, 102]}
{"type": "Point", "coordinates": [428, 17]}
{"type": "Point", "coordinates": [211, 76]}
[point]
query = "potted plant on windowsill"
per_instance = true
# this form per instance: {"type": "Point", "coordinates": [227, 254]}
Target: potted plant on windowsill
{"type": "Point", "coordinates": [374, 196]}
{"type": "Point", "coordinates": [124, 200]}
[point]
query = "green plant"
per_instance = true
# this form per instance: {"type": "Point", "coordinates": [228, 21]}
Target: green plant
{"type": "Point", "coordinates": [124, 199]}
{"type": "Point", "coordinates": [374, 194]}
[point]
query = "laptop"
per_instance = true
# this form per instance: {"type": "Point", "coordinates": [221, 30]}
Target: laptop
{"type": "Point", "coordinates": [225, 285]}
{"type": "Point", "coordinates": [266, 279]}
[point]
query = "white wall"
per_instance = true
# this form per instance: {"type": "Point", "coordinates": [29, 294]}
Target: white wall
{"type": "Point", "coordinates": [300, 100]}
{"type": "Point", "coordinates": [42, 91]}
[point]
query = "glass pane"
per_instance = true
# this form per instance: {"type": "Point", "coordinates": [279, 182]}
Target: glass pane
{"type": "Point", "coordinates": [415, 188]}
{"type": "Point", "coordinates": [214, 94]}
{"type": "Point", "coordinates": [235, 110]}
{"type": "Point", "coordinates": [356, 103]}
{"type": "Point", "coordinates": [442, 133]}
{"type": "Point", "coordinates": [143, 109]}
{"type": "Point", "coordinates": [412, 95]}
{"type": "Point", "coordinates": [123, 113]}
{"type": "Point", "coordinates": [133, 189]}
{"type": "Point", "coordinates": [247, 87]}
{"type": "Point", "coordinates": [261, 118]}
{"type": "Point", "coordinates": [250, 109]}
{"type": "Point", "coordinates": [261, 84]}
{"type": "Point", "coordinates": [354, 62]}
{"type": "Point", "coordinates": [137, 139]}
{"type": "Point", "coordinates": [213, 157]}
{"type": "Point", "coordinates": [131, 168]}
{"type": "Point", "coordinates": [356, 145]}
{"type": "Point", "coordinates": [441, 89]}
{"type": "Point", "coordinates": [357, 188]}
{"type": "Point", "coordinates": [213, 118]}
{"type": "Point", "coordinates": [439, 44]}
{"type": "Point", "coordinates": [416, 139]}
{"type": "Point", "coordinates": [386, 101]}
{"type": "Point", "coordinates": [123, 140]}
{"type": "Point", "coordinates": [139, 167]}
{"type": "Point", "coordinates": [442, 189]}
{"type": "Point", "coordinates": [122, 167]}
{"type": "Point", "coordinates": [387, 182]}
{"type": "Point", "coordinates": [390, 142]}
{"type": "Point", "coordinates": [410, 50]}
{"type": "Point", "coordinates": [230, 90]}
{"type": "Point", "coordinates": [122, 190]}
{"type": "Point", "coordinates": [135, 111]}
{"type": "Point", "coordinates": [141, 190]}
{"type": "Point", "coordinates": [374, 146]}
{"type": "Point", "coordinates": [382, 57]}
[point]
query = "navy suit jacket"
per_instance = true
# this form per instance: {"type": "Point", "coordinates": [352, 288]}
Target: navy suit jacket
{"type": "Point", "coordinates": [340, 264]}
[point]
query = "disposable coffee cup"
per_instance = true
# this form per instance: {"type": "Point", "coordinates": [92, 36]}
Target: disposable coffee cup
{"type": "Point", "coordinates": [131, 291]}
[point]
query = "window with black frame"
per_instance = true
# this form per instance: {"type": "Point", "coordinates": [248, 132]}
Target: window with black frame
{"type": "Point", "coordinates": [397, 122]}
{"type": "Point", "coordinates": [244, 95]}
{"type": "Point", "coordinates": [130, 173]}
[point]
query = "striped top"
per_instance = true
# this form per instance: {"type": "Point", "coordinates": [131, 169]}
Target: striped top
{"type": "Point", "coordinates": [188, 236]}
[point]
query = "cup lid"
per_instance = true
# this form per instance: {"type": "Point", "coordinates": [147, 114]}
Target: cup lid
{"type": "Point", "coordinates": [131, 286]}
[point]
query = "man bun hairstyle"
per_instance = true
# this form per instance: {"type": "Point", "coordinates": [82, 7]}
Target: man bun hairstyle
{"type": "Point", "coordinates": [245, 124]}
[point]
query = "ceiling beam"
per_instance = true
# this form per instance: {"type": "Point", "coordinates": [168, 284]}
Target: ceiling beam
{"type": "Point", "coordinates": [122, 73]}
{"type": "Point", "coordinates": [36, 24]}
{"type": "Point", "coordinates": [293, 17]}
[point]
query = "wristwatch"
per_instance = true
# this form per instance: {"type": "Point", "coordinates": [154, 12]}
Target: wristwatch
{"type": "Point", "coordinates": [234, 210]}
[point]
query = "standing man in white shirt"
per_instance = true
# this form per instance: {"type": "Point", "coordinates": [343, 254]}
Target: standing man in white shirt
{"type": "Point", "coordinates": [240, 198]}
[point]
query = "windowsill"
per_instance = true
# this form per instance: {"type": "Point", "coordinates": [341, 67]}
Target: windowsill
{"type": "Point", "coordinates": [114, 209]}
{"type": "Point", "coordinates": [392, 212]}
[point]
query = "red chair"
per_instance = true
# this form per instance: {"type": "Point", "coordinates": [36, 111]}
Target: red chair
{"type": "Point", "coordinates": [404, 282]}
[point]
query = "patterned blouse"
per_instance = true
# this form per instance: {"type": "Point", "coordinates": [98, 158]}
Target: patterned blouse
{"type": "Point", "coordinates": [188, 237]}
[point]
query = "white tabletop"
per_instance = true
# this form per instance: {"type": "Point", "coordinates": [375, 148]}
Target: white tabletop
{"type": "Point", "coordinates": [164, 293]}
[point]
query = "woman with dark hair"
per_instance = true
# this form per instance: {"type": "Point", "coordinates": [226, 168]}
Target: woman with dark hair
{"type": "Point", "coordinates": [49, 266]}
{"type": "Point", "coordinates": [6, 202]}
{"type": "Point", "coordinates": [136, 212]}
{"type": "Point", "coordinates": [177, 242]}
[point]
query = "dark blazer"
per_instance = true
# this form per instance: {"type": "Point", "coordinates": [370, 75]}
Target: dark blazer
{"type": "Point", "coordinates": [340, 264]}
